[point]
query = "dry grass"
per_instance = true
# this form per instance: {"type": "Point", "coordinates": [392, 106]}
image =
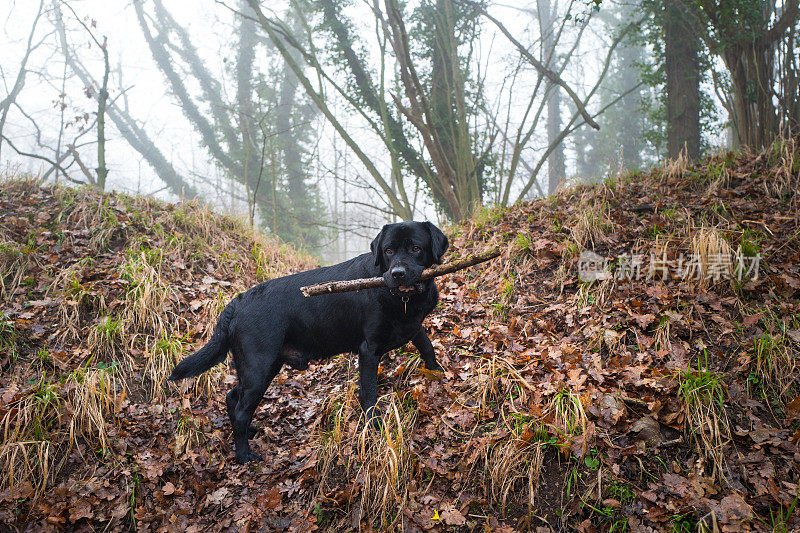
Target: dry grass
{"type": "Point", "coordinates": [165, 353]}
{"type": "Point", "coordinates": [775, 360]}
{"type": "Point", "coordinates": [104, 337]}
{"type": "Point", "coordinates": [714, 258]}
{"type": "Point", "coordinates": [513, 462]}
{"type": "Point", "coordinates": [408, 369]}
{"type": "Point", "coordinates": [96, 397]}
{"type": "Point", "coordinates": [273, 258]}
{"type": "Point", "coordinates": [706, 422]}
{"type": "Point", "coordinates": [14, 260]}
{"type": "Point", "coordinates": [24, 462]}
{"type": "Point", "coordinates": [19, 184]}
{"type": "Point", "coordinates": [594, 293]}
{"type": "Point", "coordinates": [673, 169]}
{"type": "Point", "coordinates": [240, 247]}
{"type": "Point", "coordinates": [26, 453]}
{"type": "Point", "coordinates": [566, 412]}
{"type": "Point", "coordinates": [331, 430]}
{"type": "Point", "coordinates": [207, 384]}
{"type": "Point", "coordinates": [592, 224]}
{"type": "Point", "coordinates": [386, 459]}
{"type": "Point", "coordinates": [663, 337]}
{"type": "Point", "coordinates": [349, 448]}
{"type": "Point", "coordinates": [496, 378]}
{"type": "Point", "coordinates": [79, 300]}
{"type": "Point", "coordinates": [32, 415]}
{"type": "Point", "coordinates": [84, 209]}
{"type": "Point", "coordinates": [600, 339]}
{"type": "Point", "coordinates": [787, 175]}
{"type": "Point", "coordinates": [189, 436]}
{"type": "Point", "coordinates": [214, 308]}
{"type": "Point", "coordinates": [148, 298]}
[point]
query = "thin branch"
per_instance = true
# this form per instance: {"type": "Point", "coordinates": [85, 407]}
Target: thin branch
{"type": "Point", "coordinates": [549, 74]}
{"type": "Point", "coordinates": [34, 156]}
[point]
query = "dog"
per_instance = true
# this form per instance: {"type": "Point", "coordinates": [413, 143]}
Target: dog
{"type": "Point", "coordinates": [273, 324]}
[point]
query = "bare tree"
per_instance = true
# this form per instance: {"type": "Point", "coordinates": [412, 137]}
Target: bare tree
{"type": "Point", "coordinates": [235, 133]}
{"type": "Point", "coordinates": [529, 122]}
{"type": "Point", "coordinates": [548, 26]}
{"type": "Point", "coordinates": [19, 82]}
{"type": "Point", "coordinates": [102, 101]}
{"type": "Point", "coordinates": [131, 131]}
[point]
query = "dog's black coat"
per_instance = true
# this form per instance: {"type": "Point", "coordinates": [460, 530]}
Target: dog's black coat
{"type": "Point", "coordinates": [273, 324]}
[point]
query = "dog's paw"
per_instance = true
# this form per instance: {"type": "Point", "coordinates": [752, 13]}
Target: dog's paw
{"type": "Point", "coordinates": [249, 457]}
{"type": "Point", "coordinates": [434, 367]}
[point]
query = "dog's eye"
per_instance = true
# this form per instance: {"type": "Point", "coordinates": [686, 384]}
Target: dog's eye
{"type": "Point", "coordinates": [389, 251]}
{"type": "Point", "coordinates": [416, 249]}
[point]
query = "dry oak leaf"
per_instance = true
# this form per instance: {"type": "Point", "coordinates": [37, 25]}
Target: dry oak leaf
{"type": "Point", "coordinates": [217, 496]}
{"type": "Point", "coordinates": [793, 409]}
{"type": "Point", "coordinates": [452, 516]}
{"type": "Point", "coordinates": [81, 509]}
{"type": "Point", "coordinates": [733, 509]}
{"type": "Point", "coordinates": [644, 320]}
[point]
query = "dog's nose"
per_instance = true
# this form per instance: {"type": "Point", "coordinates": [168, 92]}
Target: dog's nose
{"type": "Point", "coordinates": [398, 272]}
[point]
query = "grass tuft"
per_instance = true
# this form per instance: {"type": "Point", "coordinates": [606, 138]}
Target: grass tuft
{"type": "Point", "coordinates": [95, 400]}
{"type": "Point", "coordinates": [148, 297]}
{"type": "Point", "coordinates": [26, 452]}
{"type": "Point", "coordinates": [706, 423]}
{"type": "Point", "coordinates": [513, 461]}
{"type": "Point", "coordinates": [592, 225]}
{"type": "Point", "coordinates": [349, 448]}
{"type": "Point", "coordinates": [165, 354]}
{"type": "Point", "coordinates": [105, 336]}
{"type": "Point", "coordinates": [189, 435]}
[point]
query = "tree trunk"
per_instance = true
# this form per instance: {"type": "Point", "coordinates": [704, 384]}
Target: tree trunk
{"type": "Point", "coordinates": [102, 103]}
{"type": "Point", "coordinates": [448, 113]}
{"type": "Point", "coordinates": [252, 150]}
{"type": "Point", "coordinates": [556, 170]}
{"type": "Point", "coordinates": [747, 42]}
{"type": "Point", "coordinates": [682, 66]}
{"type": "Point", "coordinates": [755, 121]}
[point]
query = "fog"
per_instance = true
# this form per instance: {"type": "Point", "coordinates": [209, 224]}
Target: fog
{"type": "Point", "coordinates": [427, 112]}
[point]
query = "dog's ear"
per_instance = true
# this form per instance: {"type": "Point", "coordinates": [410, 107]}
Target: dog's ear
{"type": "Point", "coordinates": [377, 247]}
{"type": "Point", "coordinates": [439, 242]}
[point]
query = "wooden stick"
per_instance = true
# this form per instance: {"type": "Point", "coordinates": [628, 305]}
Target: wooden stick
{"type": "Point", "coordinates": [373, 283]}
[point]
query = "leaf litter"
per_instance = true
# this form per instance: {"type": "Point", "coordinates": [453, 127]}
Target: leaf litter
{"type": "Point", "coordinates": [640, 401]}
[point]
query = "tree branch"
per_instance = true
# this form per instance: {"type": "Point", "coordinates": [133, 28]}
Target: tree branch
{"type": "Point", "coordinates": [373, 283]}
{"type": "Point", "coordinates": [34, 156]}
{"type": "Point", "coordinates": [549, 74]}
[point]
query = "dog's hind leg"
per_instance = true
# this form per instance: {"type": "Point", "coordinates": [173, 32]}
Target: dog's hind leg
{"type": "Point", "coordinates": [253, 382]}
{"type": "Point", "coordinates": [231, 399]}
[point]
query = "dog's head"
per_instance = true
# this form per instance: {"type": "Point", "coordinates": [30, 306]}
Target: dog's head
{"type": "Point", "coordinates": [403, 250]}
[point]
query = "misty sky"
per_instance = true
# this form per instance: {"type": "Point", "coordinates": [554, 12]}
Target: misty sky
{"type": "Point", "coordinates": [213, 29]}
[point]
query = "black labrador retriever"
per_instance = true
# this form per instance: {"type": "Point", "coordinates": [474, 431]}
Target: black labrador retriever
{"type": "Point", "coordinates": [273, 324]}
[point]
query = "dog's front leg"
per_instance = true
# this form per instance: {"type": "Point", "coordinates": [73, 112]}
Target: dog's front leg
{"type": "Point", "coordinates": [423, 344]}
{"type": "Point", "coordinates": [368, 380]}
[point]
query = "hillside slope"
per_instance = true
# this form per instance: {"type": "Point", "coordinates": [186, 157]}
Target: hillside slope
{"type": "Point", "coordinates": [659, 397]}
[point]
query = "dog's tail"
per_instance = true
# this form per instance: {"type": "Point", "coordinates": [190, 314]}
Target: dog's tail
{"type": "Point", "coordinates": [213, 353]}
